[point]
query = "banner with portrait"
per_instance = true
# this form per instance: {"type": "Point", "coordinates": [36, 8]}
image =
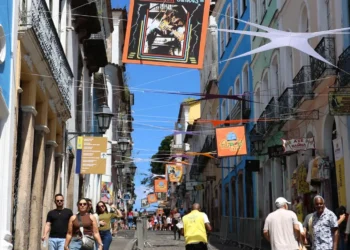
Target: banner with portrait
{"type": "Point", "coordinates": [174, 172]}
{"type": "Point", "coordinates": [161, 186]}
{"type": "Point", "coordinates": [167, 32]}
{"type": "Point", "coordinates": [106, 192]}
{"type": "Point", "coordinates": [161, 196]}
{"type": "Point", "coordinates": [144, 203]}
{"type": "Point", "coordinates": [152, 198]}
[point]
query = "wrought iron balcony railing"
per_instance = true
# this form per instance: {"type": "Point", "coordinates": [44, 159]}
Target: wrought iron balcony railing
{"type": "Point", "coordinates": [319, 69]}
{"type": "Point", "coordinates": [38, 18]}
{"type": "Point", "coordinates": [344, 66]}
{"type": "Point", "coordinates": [271, 113]}
{"type": "Point", "coordinates": [261, 124]}
{"type": "Point", "coordinates": [302, 86]}
{"type": "Point", "coordinates": [246, 105]}
{"type": "Point", "coordinates": [236, 112]}
{"type": "Point", "coordinates": [286, 102]}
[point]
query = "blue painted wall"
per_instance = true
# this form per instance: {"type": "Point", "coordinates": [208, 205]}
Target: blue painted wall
{"type": "Point", "coordinates": [6, 7]}
{"type": "Point", "coordinates": [229, 75]}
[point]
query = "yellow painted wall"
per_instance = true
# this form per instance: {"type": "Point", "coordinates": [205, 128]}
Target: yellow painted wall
{"type": "Point", "coordinates": [194, 112]}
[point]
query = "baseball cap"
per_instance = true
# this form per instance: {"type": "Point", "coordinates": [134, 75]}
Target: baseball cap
{"type": "Point", "coordinates": [280, 201]}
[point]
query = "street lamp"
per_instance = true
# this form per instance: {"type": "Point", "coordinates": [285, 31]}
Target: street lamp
{"type": "Point", "coordinates": [104, 118]}
{"type": "Point", "coordinates": [123, 144]}
{"type": "Point", "coordinates": [132, 169]}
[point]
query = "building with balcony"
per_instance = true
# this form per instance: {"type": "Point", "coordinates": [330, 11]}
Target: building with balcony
{"type": "Point", "coordinates": [8, 81]}
{"type": "Point", "coordinates": [235, 78]}
{"type": "Point", "coordinates": [43, 106]}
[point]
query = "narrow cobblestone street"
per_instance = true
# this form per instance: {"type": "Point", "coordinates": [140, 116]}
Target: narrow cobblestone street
{"type": "Point", "coordinates": [161, 240]}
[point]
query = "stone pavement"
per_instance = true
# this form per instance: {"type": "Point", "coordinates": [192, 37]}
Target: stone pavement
{"type": "Point", "coordinates": [123, 240]}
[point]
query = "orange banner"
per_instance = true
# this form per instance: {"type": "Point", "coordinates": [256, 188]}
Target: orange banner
{"type": "Point", "coordinates": [231, 141]}
{"type": "Point", "coordinates": [152, 198]}
{"type": "Point", "coordinates": [174, 173]}
{"type": "Point", "coordinates": [160, 186]}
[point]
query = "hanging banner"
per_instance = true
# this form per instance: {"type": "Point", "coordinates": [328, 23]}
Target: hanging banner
{"type": "Point", "coordinates": [152, 198]}
{"type": "Point", "coordinates": [144, 203]}
{"type": "Point", "coordinates": [91, 155]}
{"type": "Point", "coordinates": [160, 186]}
{"type": "Point", "coordinates": [293, 145]}
{"type": "Point", "coordinates": [231, 141]}
{"type": "Point", "coordinates": [107, 192]}
{"type": "Point", "coordinates": [166, 32]}
{"type": "Point", "coordinates": [339, 166]}
{"type": "Point", "coordinates": [161, 196]}
{"type": "Point", "coordinates": [339, 103]}
{"type": "Point", "coordinates": [174, 172]}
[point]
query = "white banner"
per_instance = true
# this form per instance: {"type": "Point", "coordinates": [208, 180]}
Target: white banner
{"type": "Point", "coordinates": [294, 145]}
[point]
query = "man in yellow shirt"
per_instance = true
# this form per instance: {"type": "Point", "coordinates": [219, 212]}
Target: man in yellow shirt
{"type": "Point", "coordinates": [194, 229]}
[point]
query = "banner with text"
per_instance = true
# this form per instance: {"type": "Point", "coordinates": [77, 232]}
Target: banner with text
{"type": "Point", "coordinates": [91, 155]}
{"type": "Point", "coordinates": [294, 145]}
{"type": "Point", "coordinates": [167, 32]}
{"type": "Point", "coordinates": [144, 203]}
{"type": "Point", "coordinates": [340, 171]}
{"type": "Point", "coordinates": [231, 141]}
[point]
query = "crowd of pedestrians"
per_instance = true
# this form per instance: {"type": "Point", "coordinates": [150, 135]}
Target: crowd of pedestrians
{"type": "Point", "coordinates": [88, 229]}
{"type": "Point", "coordinates": [320, 230]}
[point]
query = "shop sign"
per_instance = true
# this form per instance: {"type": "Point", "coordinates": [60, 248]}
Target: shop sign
{"type": "Point", "coordinates": [231, 141]}
{"type": "Point", "coordinates": [294, 145]}
{"type": "Point", "coordinates": [144, 203]}
{"type": "Point", "coordinates": [275, 151]}
{"type": "Point", "coordinates": [199, 187]}
{"type": "Point", "coordinates": [161, 186]}
{"type": "Point", "coordinates": [339, 103]}
{"type": "Point", "coordinates": [91, 155]}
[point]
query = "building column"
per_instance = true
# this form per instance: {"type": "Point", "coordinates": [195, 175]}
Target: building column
{"type": "Point", "coordinates": [70, 181]}
{"type": "Point", "coordinates": [26, 161]}
{"type": "Point", "coordinates": [49, 179]}
{"type": "Point", "coordinates": [38, 176]}
{"type": "Point", "coordinates": [58, 172]}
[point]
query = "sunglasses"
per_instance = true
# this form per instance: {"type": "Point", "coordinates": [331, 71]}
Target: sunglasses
{"type": "Point", "coordinates": [82, 204]}
{"type": "Point", "coordinates": [59, 200]}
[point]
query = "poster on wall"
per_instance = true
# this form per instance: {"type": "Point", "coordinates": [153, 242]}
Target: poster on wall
{"type": "Point", "coordinates": [340, 171]}
{"type": "Point", "coordinates": [144, 203]}
{"type": "Point", "coordinates": [174, 172]}
{"type": "Point", "coordinates": [231, 141]}
{"type": "Point", "coordinates": [161, 186]}
{"type": "Point", "coordinates": [152, 198]}
{"type": "Point", "coordinates": [166, 32]}
{"type": "Point", "coordinates": [106, 192]}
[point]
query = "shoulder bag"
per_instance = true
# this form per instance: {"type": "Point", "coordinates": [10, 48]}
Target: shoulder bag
{"type": "Point", "coordinates": [88, 241]}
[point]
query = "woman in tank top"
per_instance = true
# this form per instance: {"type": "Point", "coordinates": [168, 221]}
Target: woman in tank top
{"type": "Point", "coordinates": [105, 223]}
{"type": "Point", "coordinates": [73, 238]}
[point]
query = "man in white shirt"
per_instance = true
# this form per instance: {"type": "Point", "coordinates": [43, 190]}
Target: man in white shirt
{"type": "Point", "coordinates": [281, 227]}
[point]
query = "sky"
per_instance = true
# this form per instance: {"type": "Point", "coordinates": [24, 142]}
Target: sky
{"type": "Point", "coordinates": [154, 110]}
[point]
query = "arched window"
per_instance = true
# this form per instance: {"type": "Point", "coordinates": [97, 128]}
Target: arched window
{"type": "Point", "coordinates": [257, 103]}
{"type": "Point", "coordinates": [274, 73]}
{"type": "Point", "coordinates": [223, 110]}
{"type": "Point", "coordinates": [253, 13]}
{"type": "Point", "coordinates": [230, 101]}
{"type": "Point", "coordinates": [323, 15]}
{"type": "Point", "coordinates": [235, 13]}
{"type": "Point", "coordinates": [245, 79]}
{"type": "Point", "coordinates": [265, 91]}
{"type": "Point", "coordinates": [237, 90]}
{"type": "Point", "coordinates": [222, 38]}
{"type": "Point", "coordinates": [304, 27]}
{"type": "Point", "coordinates": [228, 23]}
